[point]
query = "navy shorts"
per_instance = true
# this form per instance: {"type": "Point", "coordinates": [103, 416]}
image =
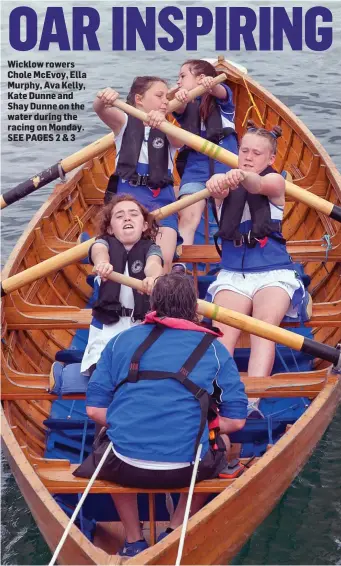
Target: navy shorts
{"type": "Point", "coordinates": [120, 472]}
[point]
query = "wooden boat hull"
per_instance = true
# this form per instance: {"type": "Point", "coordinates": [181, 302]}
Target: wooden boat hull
{"type": "Point", "coordinates": [50, 519]}
{"type": "Point", "coordinates": [217, 532]}
{"type": "Point", "coordinates": [41, 318]}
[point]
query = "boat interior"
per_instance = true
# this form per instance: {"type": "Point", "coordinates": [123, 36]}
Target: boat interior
{"type": "Point", "coordinates": [47, 322]}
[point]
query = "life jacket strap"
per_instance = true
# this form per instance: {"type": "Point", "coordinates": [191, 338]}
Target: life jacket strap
{"type": "Point", "coordinates": [250, 240]}
{"type": "Point", "coordinates": [134, 375]}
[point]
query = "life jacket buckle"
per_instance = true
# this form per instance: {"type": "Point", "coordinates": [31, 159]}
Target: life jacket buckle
{"type": "Point", "coordinates": [250, 240]}
{"type": "Point", "coordinates": [238, 242]}
{"type": "Point", "coordinates": [140, 180]}
{"type": "Point", "coordinates": [200, 393]}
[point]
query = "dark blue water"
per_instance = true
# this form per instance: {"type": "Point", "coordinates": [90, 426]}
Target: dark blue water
{"type": "Point", "coordinates": [305, 527]}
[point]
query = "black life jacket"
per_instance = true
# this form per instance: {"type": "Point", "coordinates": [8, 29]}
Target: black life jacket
{"type": "Point", "coordinates": [232, 212]}
{"type": "Point", "coordinates": [129, 155]}
{"type": "Point", "coordinates": [107, 309]}
{"type": "Point", "coordinates": [191, 121]}
{"type": "Point", "coordinates": [204, 398]}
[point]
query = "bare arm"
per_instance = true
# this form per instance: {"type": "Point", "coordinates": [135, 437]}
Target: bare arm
{"type": "Point", "coordinates": [111, 116]}
{"type": "Point", "coordinates": [99, 252]}
{"type": "Point", "coordinates": [153, 266]}
{"type": "Point", "coordinates": [101, 260]}
{"type": "Point", "coordinates": [155, 119]}
{"type": "Point", "coordinates": [152, 271]}
{"type": "Point", "coordinates": [271, 185]}
{"type": "Point", "coordinates": [230, 425]}
{"type": "Point", "coordinates": [98, 415]}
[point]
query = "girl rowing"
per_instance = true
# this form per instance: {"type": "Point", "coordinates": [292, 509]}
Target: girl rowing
{"type": "Point", "coordinates": [258, 276]}
{"type": "Point", "coordinates": [212, 117]}
{"type": "Point", "coordinates": [126, 244]}
{"type": "Point", "coordinates": [144, 155]}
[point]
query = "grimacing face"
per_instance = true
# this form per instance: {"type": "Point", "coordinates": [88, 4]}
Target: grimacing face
{"type": "Point", "coordinates": [255, 153]}
{"type": "Point", "coordinates": [155, 98]}
{"type": "Point", "coordinates": [127, 222]}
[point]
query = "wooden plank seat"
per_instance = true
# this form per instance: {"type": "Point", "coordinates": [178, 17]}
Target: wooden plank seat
{"type": "Point", "coordinates": [59, 480]}
{"type": "Point", "coordinates": [26, 316]}
{"type": "Point", "coordinates": [56, 475]}
{"type": "Point", "coordinates": [305, 250]}
{"type": "Point", "coordinates": [300, 251]}
{"type": "Point", "coordinates": [307, 384]}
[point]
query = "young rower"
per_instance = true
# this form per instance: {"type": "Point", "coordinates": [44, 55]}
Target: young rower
{"type": "Point", "coordinates": [258, 276]}
{"type": "Point", "coordinates": [210, 116]}
{"type": "Point", "coordinates": [144, 154]}
{"type": "Point", "coordinates": [126, 244]}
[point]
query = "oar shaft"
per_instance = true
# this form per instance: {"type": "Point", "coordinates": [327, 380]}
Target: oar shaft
{"type": "Point", "coordinates": [169, 209]}
{"type": "Point", "coordinates": [69, 163]}
{"type": "Point", "coordinates": [90, 151]}
{"type": "Point", "coordinates": [221, 154]}
{"type": "Point", "coordinates": [251, 325]}
{"type": "Point", "coordinates": [56, 171]}
{"type": "Point", "coordinates": [195, 142]}
{"type": "Point", "coordinates": [80, 251]}
{"type": "Point", "coordinates": [45, 267]}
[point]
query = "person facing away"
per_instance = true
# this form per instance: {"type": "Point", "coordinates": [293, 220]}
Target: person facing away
{"type": "Point", "coordinates": [143, 390]}
{"type": "Point", "coordinates": [210, 116]}
{"type": "Point", "coordinates": [258, 276]}
{"type": "Point", "coordinates": [126, 244]}
{"type": "Point", "coordinates": [144, 154]}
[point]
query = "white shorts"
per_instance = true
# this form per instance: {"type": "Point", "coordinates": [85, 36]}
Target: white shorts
{"type": "Point", "coordinates": [99, 338]}
{"type": "Point", "coordinates": [249, 283]}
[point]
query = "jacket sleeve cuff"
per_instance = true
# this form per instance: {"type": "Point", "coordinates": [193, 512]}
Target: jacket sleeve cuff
{"type": "Point", "coordinates": [235, 410]}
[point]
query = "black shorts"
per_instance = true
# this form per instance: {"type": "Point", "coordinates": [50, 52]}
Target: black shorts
{"type": "Point", "coordinates": [117, 471]}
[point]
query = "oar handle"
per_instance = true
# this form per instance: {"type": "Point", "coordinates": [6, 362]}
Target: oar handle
{"type": "Point", "coordinates": [197, 91]}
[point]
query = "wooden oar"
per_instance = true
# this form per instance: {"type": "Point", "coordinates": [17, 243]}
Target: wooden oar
{"type": "Point", "coordinates": [224, 156]}
{"type": "Point", "coordinates": [252, 325]}
{"type": "Point", "coordinates": [69, 163]}
{"type": "Point", "coordinates": [80, 251]}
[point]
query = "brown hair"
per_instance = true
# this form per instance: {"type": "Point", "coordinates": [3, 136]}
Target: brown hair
{"type": "Point", "coordinates": [141, 85]}
{"type": "Point", "coordinates": [103, 218]}
{"type": "Point", "coordinates": [201, 67]}
{"type": "Point", "coordinates": [174, 295]}
{"type": "Point", "coordinates": [270, 135]}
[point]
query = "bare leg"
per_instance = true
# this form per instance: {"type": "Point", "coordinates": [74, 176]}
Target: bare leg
{"type": "Point", "coordinates": [237, 302]}
{"type": "Point", "coordinates": [126, 505]}
{"type": "Point", "coordinates": [198, 501]}
{"type": "Point", "coordinates": [270, 305]}
{"type": "Point", "coordinates": [189, 219]}
{"type": "Point", "coordinates": [166, 239]}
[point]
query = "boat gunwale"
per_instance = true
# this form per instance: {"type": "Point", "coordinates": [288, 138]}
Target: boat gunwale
{"type": "Point", "coordinates": [295, 123]}
{"type": "Point", "coordinates": [331, 393]}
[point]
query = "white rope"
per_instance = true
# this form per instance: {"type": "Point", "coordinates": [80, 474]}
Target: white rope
{"type": "Point", "coordinates": [169, 504]}
{"type": "Point", "coordinates": [80, 503]}
{"type": "Point", "coordinates": [188, 506]}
